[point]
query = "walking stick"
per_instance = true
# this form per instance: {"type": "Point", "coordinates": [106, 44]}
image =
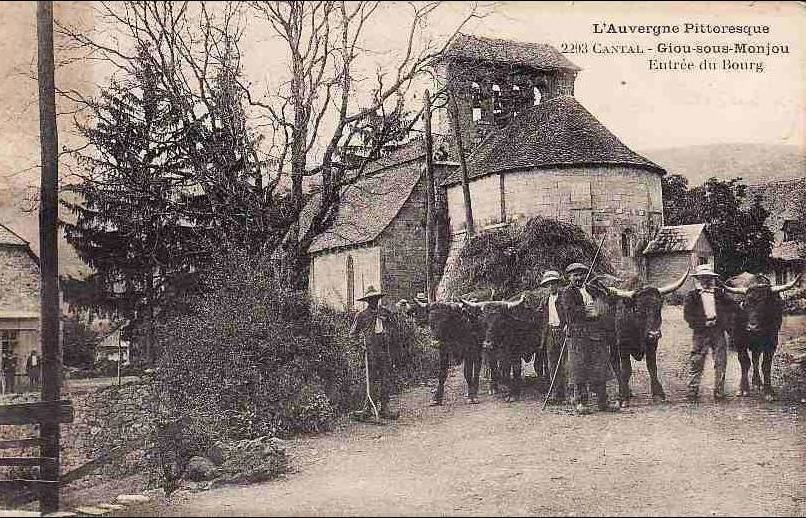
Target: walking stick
{"type": "Point", "coordinates": [565, 338]}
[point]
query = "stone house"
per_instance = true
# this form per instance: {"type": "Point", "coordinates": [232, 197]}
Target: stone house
{"type": "Point", "coordinates": [19, 298]}
{"type": "Point", "coordinates": [532, 150]}
{"type": "Point", "coordinates": [780, 198]}
{"type": "Point", "coordinates": [673, 250]}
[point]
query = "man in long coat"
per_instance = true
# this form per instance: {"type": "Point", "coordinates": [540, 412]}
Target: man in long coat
{"type": "Point", "coordinates": [374, 326]}
{"type": "Point", "coordinates": [552, 336]}
{"type": "Point", "coordinates": [585, 312]}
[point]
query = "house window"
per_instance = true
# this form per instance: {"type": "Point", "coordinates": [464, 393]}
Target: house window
{"type": "Point", "coordinates": [702, 260]}
{"type": "Point", "coordinates": [350, 282]}
{"type": "Point", "coordinates": [627, 242]}
{"type": "Point", "coordinates": [791, 228]}
{"type": "Point", "coordinates": [537, 96]}
{"type": "Point", "coordinates": [9, 338]}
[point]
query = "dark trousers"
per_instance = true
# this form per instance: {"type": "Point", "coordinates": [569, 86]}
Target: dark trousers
{"type": "Point", "coordinates": [702, 340]}
{"type": "Point", "coordinates": [382, 385]}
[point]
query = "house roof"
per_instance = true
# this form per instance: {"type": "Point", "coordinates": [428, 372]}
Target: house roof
{"type": "Point", "coordinates": [9, 237]}
{"type": "Point", "coordinates": [558, 132]}
{"type": "Point", "coordinates": [676, 238]}
{"type": "Point", "coordinates": [535, 55]}
{"type": "Point", "coordinates": [367, 206]}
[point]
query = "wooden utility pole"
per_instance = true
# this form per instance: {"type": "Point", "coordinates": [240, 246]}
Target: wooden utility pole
{"type": "Point", "coordinates": [48, 253]}
{"type": "Point", "coordinates": [429, 202]}
{"type": "Point", "coordinates": [453, 112]}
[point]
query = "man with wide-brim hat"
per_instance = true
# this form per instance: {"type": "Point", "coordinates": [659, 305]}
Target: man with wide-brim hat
{"type": "Point", "coordinates": [551, 332]}
{"type": "Point", "coordinates": [583, 312]}
{"type": "Point", "coordinates": [374, 326]}
{"type": "Point", "coordinates": [706, 310]}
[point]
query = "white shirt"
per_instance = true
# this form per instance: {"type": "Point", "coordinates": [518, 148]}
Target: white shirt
{"type": "Point", "coordinates": [554, 316]}
{"type": "Point", "coordinates": [586, 297]}
{"type": "Point", "coordinates": [708, 304]}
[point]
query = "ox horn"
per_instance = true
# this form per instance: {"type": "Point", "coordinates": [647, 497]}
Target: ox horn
{"type": "Point", "coordinates": [669, 288]}
{"type": "Point", "coordinates": [468, 303]}
{"type": "Point", "coordinates": [787, 286]}
{"type": "Point", "coordinates": [517, 303]}
{"type": "Point", "coordinates": [735, 291]}
{"type": "Point", "coordinates": [622, 294]}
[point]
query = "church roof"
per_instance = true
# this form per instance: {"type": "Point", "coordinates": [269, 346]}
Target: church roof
{"type": "Point", "coordinates": [535, 55]}
{"type": "Point", "coordinates": [558, 132]}
{"type": "Point", "coordinates": [676, 238]}
{"type": "Point", "coordinates": [9, 237]}
{"type": "Point", "coordinates": [368, 206]}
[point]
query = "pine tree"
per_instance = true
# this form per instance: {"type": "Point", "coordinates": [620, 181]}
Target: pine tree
{"type": "Point", "coordinates": [128, 227]}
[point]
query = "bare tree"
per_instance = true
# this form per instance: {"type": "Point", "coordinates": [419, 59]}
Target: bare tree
{"type": "Point", "coordinates": [312, 121]}
{"type": "Point", "coordinates": [324, 43]}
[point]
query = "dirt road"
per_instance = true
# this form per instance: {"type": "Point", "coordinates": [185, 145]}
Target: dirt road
{"type": "Point", "coordinates": [745, 457]}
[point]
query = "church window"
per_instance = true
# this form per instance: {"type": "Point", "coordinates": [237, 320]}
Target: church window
{"type": "Point", "coordinates": [627, 243]}
{"type": "Point", "coordinates": [350, 282]}
{"type": "Point", "coordinates": [497, 104]}
{"type": "Point", "coordinates": [702, 260]}
{"type": "Point", "coordinates": [516, 99]}
{"type": "Point", "coordinates": [475, 100]}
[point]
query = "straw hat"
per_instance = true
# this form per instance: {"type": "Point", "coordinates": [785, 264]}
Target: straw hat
{"type": "Point", "coordinates": [371, 293]}
{"type": "Point", "coordinates": [575, 267]}
{"type": "Point", "coordinates": [704, 270]}
{"type": "Point", "coordinates": [550, 276]}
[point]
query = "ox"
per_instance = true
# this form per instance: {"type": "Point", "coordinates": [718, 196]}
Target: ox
{"type": "Point", "coordinates": [511, 332]}
{"type": "Point", "coordinates": [638, 328]}
{"type": "Point", "coordinates": [458, 333]}
{"type": "Point", "coordinates": [755, 326]}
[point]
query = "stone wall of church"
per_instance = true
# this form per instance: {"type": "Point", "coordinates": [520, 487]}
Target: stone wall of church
{"type": "Point", "coordinates": [623, 203]}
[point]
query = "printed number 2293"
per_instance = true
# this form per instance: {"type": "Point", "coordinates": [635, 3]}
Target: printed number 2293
{"type": "Point", "coordinates": [574, 48]}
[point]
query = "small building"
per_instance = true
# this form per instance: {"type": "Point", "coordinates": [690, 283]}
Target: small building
{"type": "Point", "coordinates": [673, 250]}
{"type": "Point", "coordinates": [19, 300]}
{"type": "Point", "coordinates": [378, 236]}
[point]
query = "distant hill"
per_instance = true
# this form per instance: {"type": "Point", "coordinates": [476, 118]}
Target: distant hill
{"type": "Point", "coordinates": [756, 163]}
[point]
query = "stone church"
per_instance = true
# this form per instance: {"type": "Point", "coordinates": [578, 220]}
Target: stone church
{"type": "Point", "coordinates": [532, 150]}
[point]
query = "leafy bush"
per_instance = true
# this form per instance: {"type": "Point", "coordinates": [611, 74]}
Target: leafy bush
{"type": "Point", "coordinates": [250, 358]}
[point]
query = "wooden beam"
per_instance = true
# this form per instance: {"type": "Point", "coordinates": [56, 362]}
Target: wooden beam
{"type": "Point", "coordinates": [429, 200]}
{"type": "Point", "coordinates": [9, 444]}
{"type": "Point", "coordinates": [453, 112]}
{"type": "Point", "coordinates": [26, 461]}
{"type": "Point", "coordinates": [40, 412]}
{"type": "Point", "coordinates": [48, 249]}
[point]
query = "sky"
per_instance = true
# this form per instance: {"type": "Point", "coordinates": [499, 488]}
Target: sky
{"type": "Point", "coordinates": [645, 109]}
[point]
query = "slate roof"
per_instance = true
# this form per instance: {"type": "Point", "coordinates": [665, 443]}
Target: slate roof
{"type": "Point", "coordinates": [558, 132]}
{"type": "Point", "coordinates": [536, 55]}
{"type": "Point", "coordinates": [8, 237]}
{"type": "Point", "coordinates": [368, 206]}
{"type": "Point", "coordinates": [677, 238]}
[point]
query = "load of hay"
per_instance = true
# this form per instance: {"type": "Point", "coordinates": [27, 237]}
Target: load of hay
{"type": "Point", "coordinates": [512, 259]}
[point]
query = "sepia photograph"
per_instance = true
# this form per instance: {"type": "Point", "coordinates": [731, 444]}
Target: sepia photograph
{"type": "Point", "coordinates": [402, 258]}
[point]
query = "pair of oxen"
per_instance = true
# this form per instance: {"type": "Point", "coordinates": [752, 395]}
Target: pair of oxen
{"type": "Point", "coordinates": [504, 332]}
